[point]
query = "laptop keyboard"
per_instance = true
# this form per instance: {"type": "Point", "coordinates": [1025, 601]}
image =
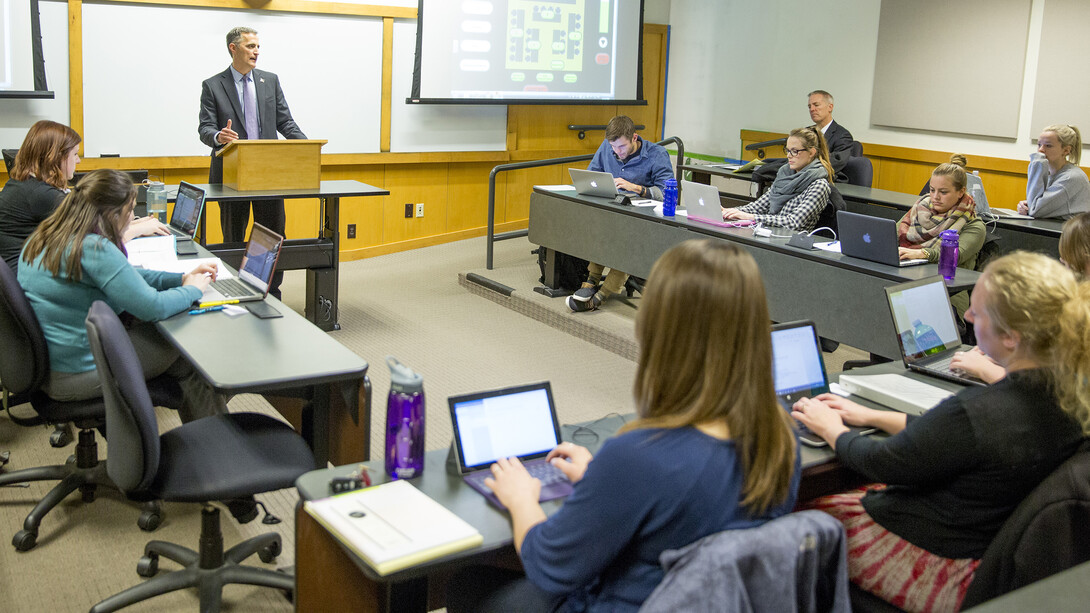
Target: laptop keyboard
{"type": "Point", "coordinates": [231, 287]}
{"type": "Point", "coordinates": [544, 471]}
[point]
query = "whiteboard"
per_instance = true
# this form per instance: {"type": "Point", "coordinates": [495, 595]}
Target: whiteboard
{"type": "Point", "coordinates": [143, 67]}
{"type": "Point", "coordinates": [437, 127]}
{"type": "Point", "coordinates": [17, 115]}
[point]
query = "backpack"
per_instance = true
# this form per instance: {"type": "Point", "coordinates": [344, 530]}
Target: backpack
{"type": "Point", "coordinates": [571, 271]}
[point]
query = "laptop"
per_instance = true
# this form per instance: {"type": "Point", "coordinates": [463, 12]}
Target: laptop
{"type": "Point", "coordinates": [595, 183]}
{"type": "Point", "coordinates": [183, 220]}
{"type": "Point", "coordinates": [870, 238]}
{"type": "Point", "coordinates": [702, 204]}
{"type": "Point", "coordinates": [798, 371]}
{"type": "Point", "coordinates": [256, 272]}
{"type": "Point", "coordinates": [927, 333]}
{"type": "Point", "coordinates": [511, 422]}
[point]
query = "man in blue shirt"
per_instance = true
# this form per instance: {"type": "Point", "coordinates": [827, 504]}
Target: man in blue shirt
{"type": "Point", "coordinates": [637, 166]}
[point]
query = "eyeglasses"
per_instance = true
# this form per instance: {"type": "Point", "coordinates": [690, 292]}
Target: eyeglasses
{"type": "Point", "coordinates": [793, 152]}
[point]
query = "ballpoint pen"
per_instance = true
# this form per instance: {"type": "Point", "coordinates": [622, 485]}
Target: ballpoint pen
{"type": "Point", "coordinates": [207, 309]}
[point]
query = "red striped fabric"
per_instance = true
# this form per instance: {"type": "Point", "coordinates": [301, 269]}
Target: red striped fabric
{"type": "Point", "coordinates": [890, 567]}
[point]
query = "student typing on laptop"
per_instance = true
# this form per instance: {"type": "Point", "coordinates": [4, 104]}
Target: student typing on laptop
{"type": "Point", "coordinates": [710, 450]}
{"type": "Point", "coordinates": [75, 258]}
{"type": "Point", "coordinates": [802, 187]}
{"type": "Point", "coordinates": [957, 472]}
{"type": "Point", "coordinates": [637, 166]}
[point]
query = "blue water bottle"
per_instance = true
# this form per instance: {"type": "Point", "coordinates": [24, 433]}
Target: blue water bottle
{"type": "Point", "coordinates": [404, 422]}
{"type": "Point", "coordinates": [669, 198]}
{"type": "Point", "coordinates": [948, 255]}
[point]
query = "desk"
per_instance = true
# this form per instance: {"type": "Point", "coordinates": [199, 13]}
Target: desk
{"type": "Point", "coordinates": [844, 296]}
{"type": "Point", "coordinates": [319, 256]}
{"type": "Point", "coordinates": [1041, 235]}
{"type": "Point", "coordinates": [329, 577]}
{"type": "Point", "coordinates": [245, 354]}
{"type": "Point", "coordinates": [1068, 591]}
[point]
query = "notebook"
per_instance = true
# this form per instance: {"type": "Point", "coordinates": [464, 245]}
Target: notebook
{"type": "Point", "coordinates": [511, 422]}
{"type": "Point", "coordinates": [927, 333]}
{"type": "Point", "coordinates": [594, 183]}
{"type": "Point", "coordinates": [183, 220]}
{"type": "Point", "coordinates": [702, 204]}
{"type": "Point", "coordinates": [870, 238]}
{"type": "Point", "coordinates": [256, 272]}
{"type": "Point", "coordinates": [798, 371]}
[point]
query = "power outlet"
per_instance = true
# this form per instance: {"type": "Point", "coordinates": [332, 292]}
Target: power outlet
{"type": "Point", "coordinates": [351, 230]}
{"type": "Point", "coordinates": [408, 210]}
{"type": "Point", "coordinates": [419, 209]}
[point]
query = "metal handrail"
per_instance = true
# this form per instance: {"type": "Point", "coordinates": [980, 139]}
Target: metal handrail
{"type": "Point", "coordinates": [493, 237]}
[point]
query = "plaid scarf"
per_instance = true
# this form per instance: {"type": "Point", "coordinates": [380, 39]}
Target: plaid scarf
{"type": "Point", "coordinates": [921, 226]}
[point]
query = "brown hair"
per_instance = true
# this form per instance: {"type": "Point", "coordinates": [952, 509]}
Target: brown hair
{"type": "Point", "coordinates": [1075, 243]}
{"type": "Point", "coordinates": [1039, 298]}
{"type": "Point", "coordinates": [954, 172]}
{"type": "Point", "coordinates": [620, 126]}
{"type": "Point", "coordinates": [959, 159]}
{"type": "Point", "coordinates": [43, 151]}
{"type": "Point", "coordinates": [706, 356]}
{"type": "Point", "coordinates": [1069, 137]}
{"type": "Point", "coordinates": [813, 139]}
{"type": "Point", "coordinates": [96, 205]}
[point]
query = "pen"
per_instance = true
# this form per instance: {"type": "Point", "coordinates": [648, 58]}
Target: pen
{"type": "Point", "coordinates": [207, 309]}
{"type": "Point", "coordinates": [204, 305]}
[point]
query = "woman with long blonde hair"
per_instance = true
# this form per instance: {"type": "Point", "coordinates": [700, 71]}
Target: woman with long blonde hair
{"type": "Point", "coordinates": [954, 474]}
{"type": "Point", "coordinates": [710, 450]}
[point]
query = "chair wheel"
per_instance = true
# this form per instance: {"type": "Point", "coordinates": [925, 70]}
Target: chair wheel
{"type": "Point", "coordinates": [87, 492]}
{"type": "Point", "coordinates": [61, 436]}
{"type": "Point", "coordinates": [148, 566]}
{"type": "Point", "coordinates": [24, 540]}
{"type": "Point", "coordinates": [149, 521]}
{"type": "Point", "coordinates": [269, 552]}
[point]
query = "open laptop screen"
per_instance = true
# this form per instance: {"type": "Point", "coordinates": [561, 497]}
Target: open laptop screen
{"type": "Point", "coordinates": [923, 318]}
{"type": "Point", "coordinates": [513, 422]}
{"type": "Point", "coordinates": [259, 261]}
{"type": "Point", "coordinates": [187, 208]}
{"type": "Point", "coordinates": [798, 369]}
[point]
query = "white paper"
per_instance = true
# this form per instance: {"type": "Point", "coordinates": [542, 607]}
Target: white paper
{"type": "Point", "coordinates": [832, 246]}
{"type": "Point", "coordinates": [556, 188]}
{"type": "Point", "coordinates": [646, 202]}
{"type": "Point", "coordinates": [151, 249]}
{"type": "Point", "coordinates": [187, 265]}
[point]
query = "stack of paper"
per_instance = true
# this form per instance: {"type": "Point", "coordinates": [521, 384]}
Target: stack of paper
{"type": "Point", "coordinates": [394, 525]}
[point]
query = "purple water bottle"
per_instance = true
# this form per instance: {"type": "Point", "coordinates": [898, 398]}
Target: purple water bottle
{"type": "Point", "coordinates": [948, 255]}
{"type": "Point", "coordinates": [669, 198]}
{"type": "Point", "coordinates": [404, 422]}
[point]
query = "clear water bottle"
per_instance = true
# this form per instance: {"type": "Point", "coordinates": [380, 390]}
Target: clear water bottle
{"type": "Point", "coordinates": [948, 255]}
{"type": "Point", "coordinates": [157, 200]}
{"type": "Point", "coordinates": [669, 198]}
{"type": "Point", "coordinates": [404, 422]}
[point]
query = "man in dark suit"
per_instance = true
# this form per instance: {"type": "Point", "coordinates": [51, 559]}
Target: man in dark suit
{"type": "Point", "coordinates": [837, 137]}
{"type": "Point", "coordinates": [225, 100]}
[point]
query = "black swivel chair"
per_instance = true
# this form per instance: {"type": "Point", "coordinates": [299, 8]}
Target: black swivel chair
{"type": "Point", "coordinates": [9, 158]}
{"type": "Point", "coordinates": [859, 171]}
{"type": "Point", "coordinates": [215, 458]}
{"type": "Point", "coordinates": [24, 367]}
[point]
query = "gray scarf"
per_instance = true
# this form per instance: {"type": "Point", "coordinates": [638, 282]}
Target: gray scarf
{"type": "Point", "coordinates": [790, 183]}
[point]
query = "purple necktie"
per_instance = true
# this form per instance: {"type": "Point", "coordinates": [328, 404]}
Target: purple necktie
{"type": "Point", "coordinates": [249, 107]}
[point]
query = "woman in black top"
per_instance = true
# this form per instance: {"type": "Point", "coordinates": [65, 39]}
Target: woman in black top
{"type": "Point", "coordinates": [45, 163]}
{"type": "Point", "coordinates": [954, 474]}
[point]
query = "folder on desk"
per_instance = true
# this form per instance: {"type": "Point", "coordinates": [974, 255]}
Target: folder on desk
{"type": "Point", "coordinates": [393, 526]}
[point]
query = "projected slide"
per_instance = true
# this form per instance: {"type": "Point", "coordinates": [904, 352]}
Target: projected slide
{"type": "Point", "coordinates": [502, 49]}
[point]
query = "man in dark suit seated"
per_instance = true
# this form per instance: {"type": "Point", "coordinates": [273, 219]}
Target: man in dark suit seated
{"type": "Point", "coordinates": [837, 137]}
{"type": "Point", "coordinates": [243, 102]}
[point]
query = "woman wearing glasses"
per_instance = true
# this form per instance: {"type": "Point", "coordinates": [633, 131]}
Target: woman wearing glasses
{"type": "Point", "coordinates": [710, 450]}
{"type": "Point", "coordinates": [802, 187]}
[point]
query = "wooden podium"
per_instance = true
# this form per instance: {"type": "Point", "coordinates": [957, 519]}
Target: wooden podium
{"type": "Point", "coordinates": [270, 164]}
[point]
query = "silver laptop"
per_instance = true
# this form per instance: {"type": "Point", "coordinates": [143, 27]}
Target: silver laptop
{"type": "Point", "coordinates": [595, 183]}
{"type": "Point", "coordinates": [188, 206]}
{"type": "Point", "coordinates": [256, 272]}
{"type": "Point", "coordinates": [511, 422]}
{"type": "Point", "coordinates": [927, 333]}
{"type": "Point", "coordinates": [870, 238]}
{"type": "Point", "coordinates": [798, 371]}
{"type": "Point", "coordinates": [702, 204]}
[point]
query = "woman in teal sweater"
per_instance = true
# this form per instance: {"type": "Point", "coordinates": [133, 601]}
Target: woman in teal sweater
{"type": "Point", "coordinates": [75, 257]}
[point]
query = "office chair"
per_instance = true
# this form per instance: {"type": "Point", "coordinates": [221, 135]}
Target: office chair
{"type": "Point", "coordinates": [24, 367]}
{"type": "Point", "coordinates": [859, 171]}
{"type": "Point", "coordinates": [215, 458]}
{"type": "Point", "coordinates": [9, 158]}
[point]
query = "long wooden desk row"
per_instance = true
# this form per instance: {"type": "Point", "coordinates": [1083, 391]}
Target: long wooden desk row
{"type": "Point", "coordinates": [330, 576]}
{"type": "Point", "coordinates": [286, 356]}
{"type": "Point", "coordinates": [319, 256]}
{"type": "Point", "coordinates": [1041, 235]}
{"type": "Point", "coordinates": [844, 296]}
